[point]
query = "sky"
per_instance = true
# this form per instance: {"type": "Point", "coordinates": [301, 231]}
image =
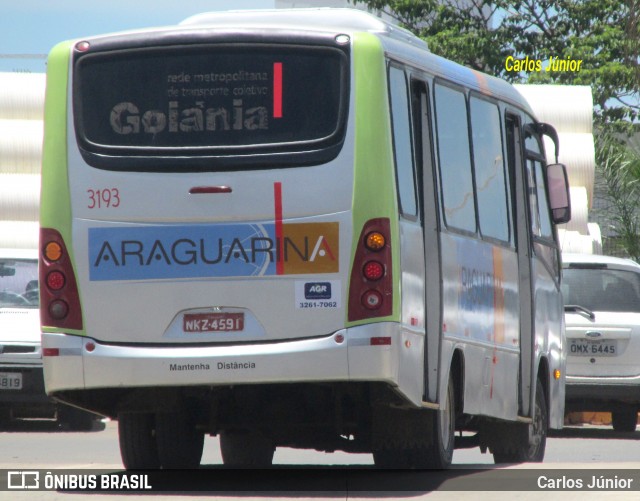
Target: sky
{"type": "Point", "coordinates": [30, 28]}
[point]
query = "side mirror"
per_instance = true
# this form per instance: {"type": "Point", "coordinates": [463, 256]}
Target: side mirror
{"type": "Point", "coordinates": [558, 183]}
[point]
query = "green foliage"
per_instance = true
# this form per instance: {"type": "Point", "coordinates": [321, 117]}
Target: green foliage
{"type": "Point", "coordinates": [481, 34]}
{"type": "Point", "coordinates": [619, 177]}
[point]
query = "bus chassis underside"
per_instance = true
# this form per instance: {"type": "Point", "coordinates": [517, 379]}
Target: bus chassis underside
{"type": "Point", "coordinates": [164, 427]}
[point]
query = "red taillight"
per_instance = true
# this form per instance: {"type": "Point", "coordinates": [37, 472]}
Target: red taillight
{"type": "Point", "coordinates": [55, 280]}
{"type": "Point", "coordinates": [59, 299]}
{"type": "Point", "coordinates": [373, 270]}
{"type": "Point", "coordinates": [371, 285]}
{"type": "Point", "coordinates": [380, 341]}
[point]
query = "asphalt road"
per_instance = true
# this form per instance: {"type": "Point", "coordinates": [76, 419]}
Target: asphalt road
{"type": "Point", "coordinates": [586, 455]}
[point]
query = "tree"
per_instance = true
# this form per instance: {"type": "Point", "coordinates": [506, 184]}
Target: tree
{"type": "Point", "coordinates": [482, 34]}
{"type": "Point", "coordinates": [618, 179]}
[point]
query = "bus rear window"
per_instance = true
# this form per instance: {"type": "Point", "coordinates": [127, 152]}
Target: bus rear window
{"type": "Point", "coordinates": [208, 101]}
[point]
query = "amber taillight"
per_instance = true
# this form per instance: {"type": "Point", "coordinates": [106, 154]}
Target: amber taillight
{"type": "Point", "coordinates": [59, 300]}
{"type": "Point", "coordinates": [371, 286]}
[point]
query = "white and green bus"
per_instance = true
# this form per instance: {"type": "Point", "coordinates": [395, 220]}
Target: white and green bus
{"type": "Point", "coordinates": [298, 229]}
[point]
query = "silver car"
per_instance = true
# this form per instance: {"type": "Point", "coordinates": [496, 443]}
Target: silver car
{"type": "Point", "coordinates": [602, 312]}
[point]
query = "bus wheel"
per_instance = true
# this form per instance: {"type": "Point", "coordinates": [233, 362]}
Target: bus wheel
{"type": "Point", "coordinates": [443, 430]}
{"type": "Point", "coordinates": [417, 439]}
{"type": "Point", "coordinates": [246, 449]}
{"type": "Point", "coordinates": [529, 441]}
{"type": "Point", "coordinates": [624, 420]}
{"type": "Point", "coordinates": [138, 448]}
{"type": "Point", "coordinates": [180, 443]}
{"type": "Point", "coordinates": [391, 458]}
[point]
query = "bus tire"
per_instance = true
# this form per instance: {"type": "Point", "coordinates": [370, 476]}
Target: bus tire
{"type": "Point", "coordinates": [625, 420]}
{"type": "Point", "coordinates": [246, 449]}
{"type": "Point", "coordinates": [529, 441]}
{"type": "Point", "coordinates": [180, 443]}
{"type": "Point", "coordinates": [426, 442]}
{"type": "Point", "coordinates": [440, 454]}
{"type": "Point", "coordinates": [136, 435]}
{"type": "Point", "coordinates": [391, 458]}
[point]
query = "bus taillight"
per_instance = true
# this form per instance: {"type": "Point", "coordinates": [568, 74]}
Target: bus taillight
{"type": "Point", "coordinates": [371, 286]}
{"type": "Point", "coordinates": [373, 270]}
{"type": "Point", "coordinates": [59, 300]}
{"type": "Point", "coordinates": [375, 241]}
{"type": "Point", "coordinates": [55, 280]}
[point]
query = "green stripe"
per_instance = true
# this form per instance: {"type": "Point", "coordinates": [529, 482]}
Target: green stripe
{"type": "Point", "coordinates": [374, 193]}
{"type": "Point", "coordinates": [55, 200]}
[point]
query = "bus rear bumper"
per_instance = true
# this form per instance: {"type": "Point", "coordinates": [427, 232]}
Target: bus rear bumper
{"type": "Point", "coordinates": [376, 352]}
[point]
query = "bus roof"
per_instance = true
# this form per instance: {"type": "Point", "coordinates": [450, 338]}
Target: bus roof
{"type": "Point", "coordinates": [397, 42]}
{"type": "Point", "coordinates": [438, 66]}
{"type": "Point", "coordinates": [320, 19]}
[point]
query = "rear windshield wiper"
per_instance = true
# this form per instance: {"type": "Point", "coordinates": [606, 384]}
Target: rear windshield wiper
{"type": "Point", "coordinates": [575, 308]}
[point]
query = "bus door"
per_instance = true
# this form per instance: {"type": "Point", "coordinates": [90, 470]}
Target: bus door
{"type": "Point", "coordinates": [431, 237]}
{"type": "Point", "coordinates": [411, 233]}
{"type": "Point", "coordinates": [523, 245]}
{"type": "Point", "coordinates": [545, 258]}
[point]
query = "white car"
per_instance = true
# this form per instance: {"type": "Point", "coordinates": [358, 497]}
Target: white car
{"type": "Point", "coordinates": [22, 392]}
{"type": "Point", "coordinates": [602, 313]}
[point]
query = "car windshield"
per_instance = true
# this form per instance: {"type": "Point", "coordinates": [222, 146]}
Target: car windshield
{"type": "Point", "coordinates": [18, 283]}
{"type": "Point", "coordinates": [602, 289]}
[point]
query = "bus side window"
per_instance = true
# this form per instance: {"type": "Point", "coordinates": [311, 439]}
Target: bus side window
{"type": "Point", "coordinates": [422, 143]}
{"type": "Point", "coordinates": [540, 215]}
{"type": "Point", "coordinates": [544, 218]}
{"type": "Point", "coordinates": [455, 158]}
{"type": "Point", "coordinates": [488, 161]}
{"type": "Point", "coordinates": [401, 125]}
{"type": "Point", "coordinates": [544, 245]}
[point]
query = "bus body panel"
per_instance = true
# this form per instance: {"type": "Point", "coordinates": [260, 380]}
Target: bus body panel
{"type": "Point", "coordinates": [325, 359]}
{"type": "Point", "coordinates": [480, 290]}
{"type": "Point", "coordinates": [170, 298]}
{"type": "Point", "coordinates": [550, 338]}
{"type": "Point", "coordinates": [146, 234]}
{"type": "Point", "coordinates": [373, 162]}
{"type": "Point", "coordinates": [412, 322]}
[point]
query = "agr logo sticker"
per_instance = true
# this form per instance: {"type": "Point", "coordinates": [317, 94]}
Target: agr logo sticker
{"type": "Point", "coordinates": [318, 295]}
{"type": "Point", "coordinates": [317, 290]}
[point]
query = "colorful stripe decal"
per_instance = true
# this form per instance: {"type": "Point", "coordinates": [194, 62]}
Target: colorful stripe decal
{"type": "Point", "coordinates": [277, 90]}
{"type": "Point", "coordinates": [277, 197]}
{"type": "Point", "coordinates": [141, 252]}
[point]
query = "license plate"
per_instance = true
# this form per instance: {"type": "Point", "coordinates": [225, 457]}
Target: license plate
{"type": "Point", "coordinates": [582, 348]}
{"type": "Point", "coordinates": [10, 381]}
{"type": "Point", "coordinates": [213, 322]}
